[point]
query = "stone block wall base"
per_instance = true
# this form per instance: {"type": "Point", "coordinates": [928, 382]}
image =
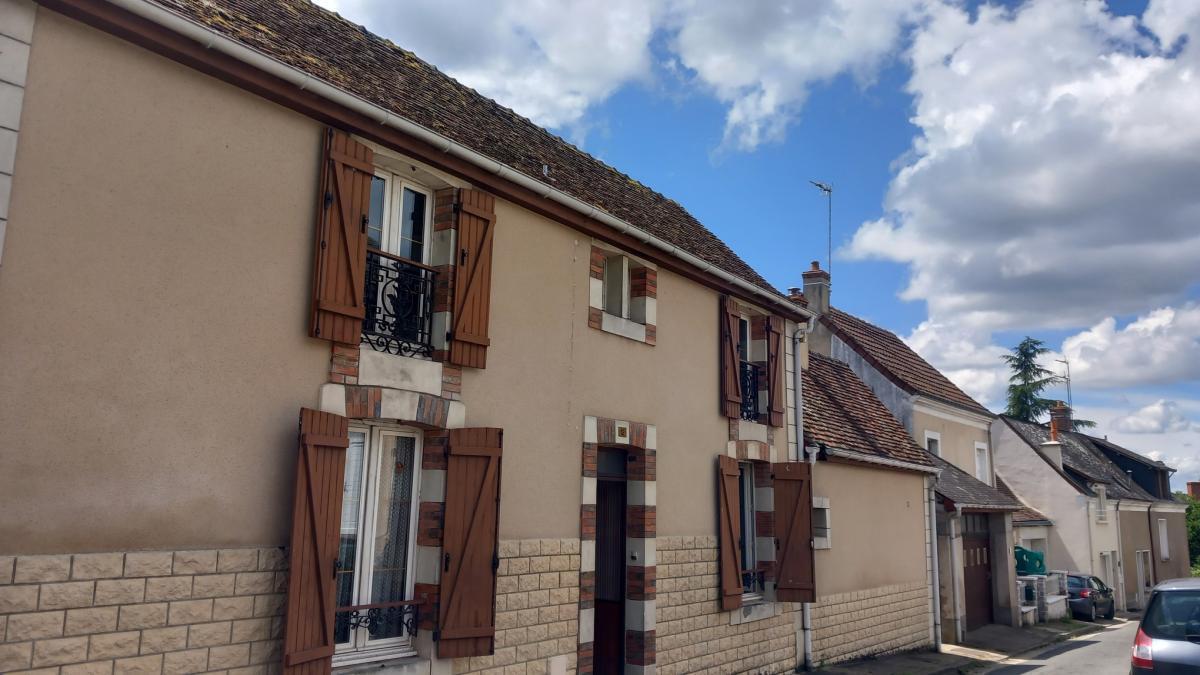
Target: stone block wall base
{"type": "Point", "coordinates": [871, 622]}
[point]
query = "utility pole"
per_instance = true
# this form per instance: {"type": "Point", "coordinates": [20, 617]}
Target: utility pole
{"type": "Point", "coordinates": [828, 190]}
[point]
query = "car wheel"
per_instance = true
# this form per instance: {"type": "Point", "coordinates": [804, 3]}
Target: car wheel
{"type": "Point", "coordinates": [1112, 610]}
{"type": "Point", "coordinates": [1092, 612]}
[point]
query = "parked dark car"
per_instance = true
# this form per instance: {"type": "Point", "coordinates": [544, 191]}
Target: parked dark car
{"type": "Point", "coordinates": [1168, 639]}
{"type": "Point", "coordinates": [1089, 597]}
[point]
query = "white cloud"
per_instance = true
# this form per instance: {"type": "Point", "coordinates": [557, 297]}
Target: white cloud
{"type": "Point", "coordinates": [549, 61]}
{"type": "Point", "coordinates": [1176, 445]}
{"type": "Point", "coordinates": [553, 61]}
{"type": "Point", "coordinates": [1160, 417]}
{"type": "Point", "coordinates": [1159, 347]}
{"type": "Point", "coordinates": [1052, 182]}
{"type": "Point", "coordinates": [761, 58]}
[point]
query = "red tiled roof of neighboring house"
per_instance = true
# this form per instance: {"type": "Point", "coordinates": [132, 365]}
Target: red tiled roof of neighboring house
{"type": "Point", "coordinates": [1024, 514]}
{"type": "Point", "coordinates": [897, 361]}
{"type": "Point", "coordinates": [347, 56]}
{"type": "Point", "coordinates": [968, 491]}
{"type": "Point", "coordinates": [842, 412]}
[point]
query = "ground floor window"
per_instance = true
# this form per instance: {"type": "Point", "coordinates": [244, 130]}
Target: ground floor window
{"type": "Point", "coordinates": [752, 578]}
{"type": "Point", "coordinates": [374, 567]}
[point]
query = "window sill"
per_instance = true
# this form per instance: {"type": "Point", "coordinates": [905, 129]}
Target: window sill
{"type": "Point", "coordinates": [822, 544]}
{"type": "Point", "coordinates": [348, 662]}
{"type": "Point", "coordinates": [627, 328]}
{"type": "Point", "coordinates": [759, 609]}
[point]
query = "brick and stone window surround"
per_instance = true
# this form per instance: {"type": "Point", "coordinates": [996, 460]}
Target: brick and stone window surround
{"type": "Point", "coordinates": [143, 611]}
{"type": "Point", "coordinates": [623, 295]}
{"type": "Point", "coordinates": [640, 442]}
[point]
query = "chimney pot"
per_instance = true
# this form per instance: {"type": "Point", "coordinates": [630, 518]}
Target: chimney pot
{"type": "Point", "coordinates": [816, 266]}
{"type": "Point", "coordinates": [1061, 413]}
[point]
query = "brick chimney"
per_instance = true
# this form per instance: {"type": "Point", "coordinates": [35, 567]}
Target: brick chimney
{"type": "Point", "coordinates": [1060, 413]}
{"type": "Point", "coordinates": [816, 288]}
{"type": "Point", "coordinates": [1194, 489]}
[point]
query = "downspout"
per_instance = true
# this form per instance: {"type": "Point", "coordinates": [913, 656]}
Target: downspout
{"type": "Point", "coordinates": [1120, 580]}
{"type": "Point", "coordinates": [933, 557]}
{"type": "Point", "coordinates": [1091, 523]}
{"type": "Point", "coordinates": [798, 430]}
{"type": "Point", "coordinates": [212, 40]}
{"type": "Point", "coordinates": [1153, 557]}
{"type": "Point", "coordinates": [959, 629]}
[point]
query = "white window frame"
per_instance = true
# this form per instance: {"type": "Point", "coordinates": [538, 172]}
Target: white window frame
{"type": "Point", "coordinates": [747, 506]}
{"type": "Point", "coordinates": [360, 648]}
{"type": "Point", "coordinates": [822, 504]}
{"type": "Point", "coordinates": [987, 462]}
{"type": "Point", "coordinates": [1164, 540]}
{"type": "Point", "coordinates": [937, 437]}
{"type": "Point", "coordinates": [1101, 504]}
{"type": "Point", "coordinates": [616, 271]}
{"type": "Point", "coordinates": [393, 202]}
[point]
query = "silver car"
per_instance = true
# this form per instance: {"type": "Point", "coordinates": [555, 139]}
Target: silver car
{"type": "Point", "coordinates": [1168, 639]}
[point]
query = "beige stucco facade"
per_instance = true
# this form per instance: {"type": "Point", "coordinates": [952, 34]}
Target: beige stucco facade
{"type": "Point", "coordinates": [154, 296]}
{"type": "Point", "coordinates": [153, 299]}
{"type": "Point", "coordinates": [957, 438]}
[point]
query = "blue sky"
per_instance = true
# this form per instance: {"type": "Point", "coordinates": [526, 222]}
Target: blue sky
{"type": "Point", "coordinates": [998, 170]}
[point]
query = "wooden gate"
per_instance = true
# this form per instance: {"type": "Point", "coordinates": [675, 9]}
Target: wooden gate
{"type": "Point", "coordinates": [977, 570]}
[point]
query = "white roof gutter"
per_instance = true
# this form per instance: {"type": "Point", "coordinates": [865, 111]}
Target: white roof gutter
{"type": "Point", "coordinates": [212, 40]}
{"type": "Point", "coordinates": [882, 461]}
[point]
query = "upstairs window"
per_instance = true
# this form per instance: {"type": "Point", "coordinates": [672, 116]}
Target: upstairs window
{"type": "Point", "coordinates": [399, 284]}
{"type": "Point", "coordinates": [1101, 504]}
{"type": "Point", "coordinates": [623, 296]}
{"type": "Point", "coordinates": [1164, 540]}
{"type": "Point", "coordinates": [933, 443]}
{"type": "Point", "coordinates": [983, 463]}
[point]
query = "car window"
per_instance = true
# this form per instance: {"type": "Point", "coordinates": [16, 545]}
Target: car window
{"type": "Point", "coordinates": [1074, 582]}
{"type": "Point", "coordinates": [1173, 615]}
{"type": "Point", "coordinates": [1095, 583]}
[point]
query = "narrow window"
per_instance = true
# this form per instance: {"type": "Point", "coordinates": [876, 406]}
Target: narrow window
{"type": "Point", "coordinates": [983, 469]}
{"type": "Point", "coordinates": [616, 286]}
{"type": "Point", "coordinates": [373, 576]}
{"type": "Point", "coordinates": [752, 579]}
{"type": "Point", "coordinates": [1164, 545]}
{"type": "Point", "coordinates": [821, 523]}
{"type": "Point", "coordinates": [933, 443]}
{"type": "Point", "coordinates": [1102, 503]}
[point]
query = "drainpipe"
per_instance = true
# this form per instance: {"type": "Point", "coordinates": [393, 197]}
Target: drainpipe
{"type": "Point", "coordinates": [955, 533]}
{"type": "Point", "coordinates": [1091, 546]}
{"type": "Point", "coordinates": [933, 557]}
{"type": "Point", "coordinates": [1120, 570]}
{"type": "Point", "coordinates": [1153, 558]}
{"type": "Point", "coordinates": [798, 385]}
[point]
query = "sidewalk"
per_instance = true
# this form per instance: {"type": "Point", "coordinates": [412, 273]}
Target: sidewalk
{"type": "Point", "coordinates": [990, 644]}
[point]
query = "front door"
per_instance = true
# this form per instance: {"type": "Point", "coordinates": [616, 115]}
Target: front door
{"type": "Point", "coordinates": [1145, 578]}
{"type": "Point", "coordinates": [609, 647]}
{"type": "Point", "coordinates": [977, 570]}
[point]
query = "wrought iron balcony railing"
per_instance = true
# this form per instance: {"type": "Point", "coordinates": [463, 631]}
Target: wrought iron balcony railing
{"type": "Point", "coordinates": [752, 376]}
{"type": "Point", "coordinates": [382, 619]}
{"type": "Point", "coordinates": [399, 303]}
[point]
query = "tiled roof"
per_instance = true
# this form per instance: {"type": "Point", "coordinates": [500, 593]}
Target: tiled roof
{"type": "Point", "coordinates": [842, 412]}
{"type": "Point", "coordinates": [1024, 514]}
{"type": "Point", "coordinates": [1105, 444]}
{"type": "Point", "coordinates": [1083, 462]}
{"type": "Point", "coordinates": [964, 489]}
{"type": "Point", "coordinates": [897, 361]}
{"type": "Point", "coordinates": [347, 56]}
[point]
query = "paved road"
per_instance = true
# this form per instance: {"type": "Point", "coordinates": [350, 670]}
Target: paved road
{"type": "Point", "coordinates": [1103, 653]}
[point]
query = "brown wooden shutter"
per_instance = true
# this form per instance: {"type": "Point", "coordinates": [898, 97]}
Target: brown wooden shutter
{"type": "Point", "coordinates": [340, 258]}
{"type": "Point", "coordinates": [467, 618]}
{"type": "Point", "coordinates": [793, 527]}
{"type": "Point", "coordinates": [316, 524]}
{"type": "Point", "coordinates": [729, 529]}
{"type": "Point", "coordinates": [476, 213]}
{"type": "Point", "coordinates": [775, 389]}
{"type": "Point", "coordinates": [731, 393]}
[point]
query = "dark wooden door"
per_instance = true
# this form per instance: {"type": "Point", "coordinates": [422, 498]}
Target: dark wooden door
{"type": "Point", "coordinates": [609, 646]}
{"type": "Point", "coordinates": [977, 570]}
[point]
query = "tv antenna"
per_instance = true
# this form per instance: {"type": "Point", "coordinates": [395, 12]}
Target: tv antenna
{"type": "Point", "coordinates": [1067, 379]}
{"type": "Point", "coordinates": [828, 190]}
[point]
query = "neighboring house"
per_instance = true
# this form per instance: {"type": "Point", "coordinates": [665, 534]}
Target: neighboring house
{"type": "Point", "coordinates": [1031, 528]}
{"type": "Point", "coordinates": [872, 499]}
{"type": "Point", "coordinates": [974, 524]}
{"type": "Point", "coordinates": [1105, 521]}
{"type": "Point", "coordinates": [523, 442]}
